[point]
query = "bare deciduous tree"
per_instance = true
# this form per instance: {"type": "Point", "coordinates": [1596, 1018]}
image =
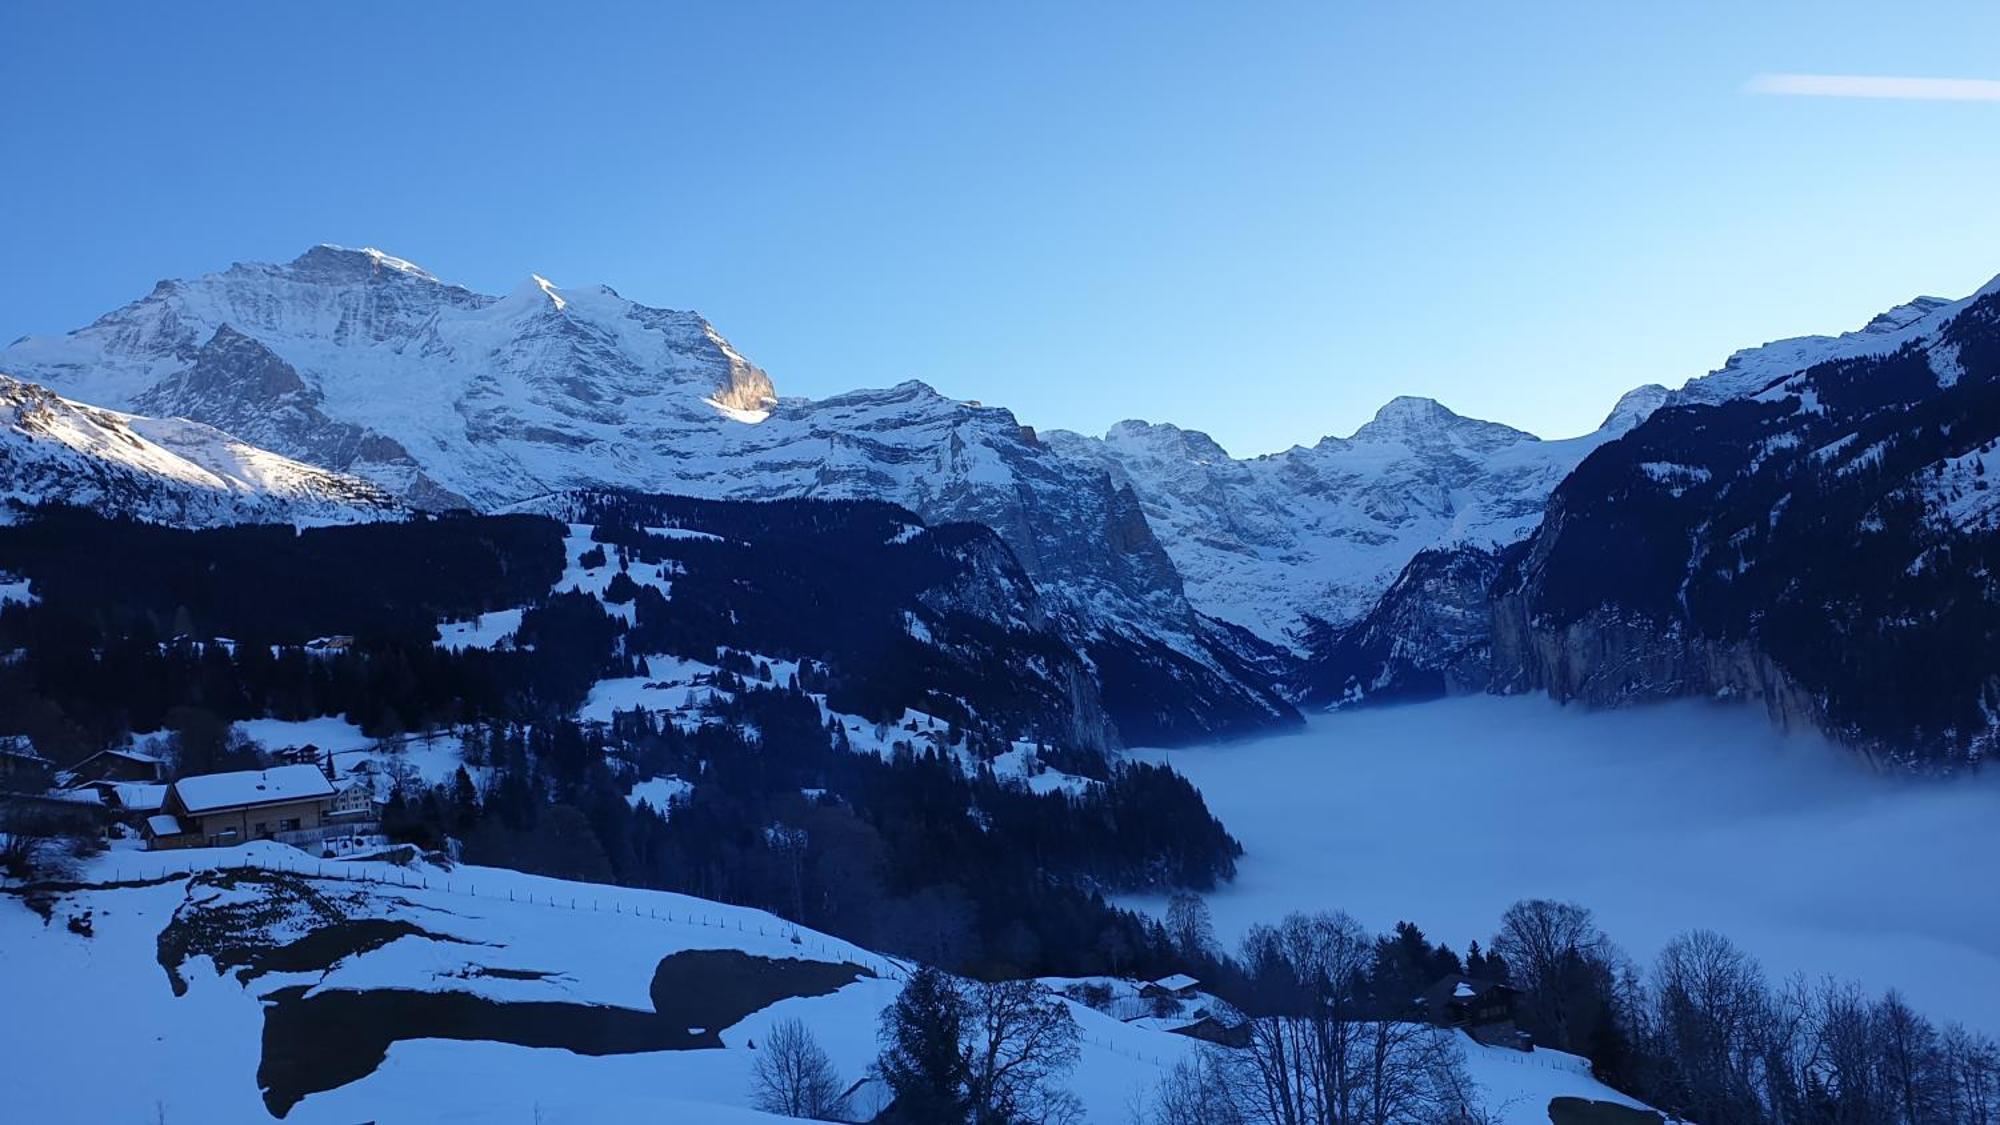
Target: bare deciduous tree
{"type": "Point", "coordinates": [793, 1076]}
{"type": "Point", "coordinates": [1189, 926]}
{"type": "Point", "coordinates": [1552, 949]}
{"type": "Point", "coordinates": [1020, 1037]}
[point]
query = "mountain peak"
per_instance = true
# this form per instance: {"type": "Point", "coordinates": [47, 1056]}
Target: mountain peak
{"type": "Point", "coordinates": [1406, 414]}
{"type": "Point", "coordinates": [1635, 406]}
{"type": "Point", "coordinates": [1905, 314]}
{"type": "Point", "coordinates": [538, 291]}
{"type": "Point", "coordinates": [1425, 423]}
{"type": "Point", "coordinates": [346, 264]}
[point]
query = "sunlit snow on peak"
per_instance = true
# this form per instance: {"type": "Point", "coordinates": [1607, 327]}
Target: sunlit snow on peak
{"type": "Point", "coordinates": [549, 287]}
{"type": "Point", "coordinates": [738, 414]}
{"type": "Point", "coordinates": [384, 260]}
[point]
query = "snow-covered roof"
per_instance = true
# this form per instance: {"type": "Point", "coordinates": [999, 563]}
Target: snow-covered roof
{"type": "Point", "coordinates": [125, 752]}
{"type": "Point", "coordinates": [1176, 982]}
{"type": "Point", "coordinates": [207, 792]}
{"type": "Point", "coordinates": [164, 825]}
{"type": "Point", "coordinates": [139, 796]}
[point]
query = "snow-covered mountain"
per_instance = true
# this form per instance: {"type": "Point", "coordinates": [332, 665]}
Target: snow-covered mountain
{"type": "Point", "coordinates": [164, 470]}
{"type": "Point", "coordinates": [363, 363]}
{"type": "Point", "coordinates": [1822, 541]}
{"type": "Point", "coordinates": [1321, 532]}
{"type": "Point", "coordinates": [1752, 370]}
{"type": "Point", "coordinates": [1161, 558]}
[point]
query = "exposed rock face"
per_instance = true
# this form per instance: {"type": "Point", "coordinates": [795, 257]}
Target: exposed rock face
{"type": "Point", "coordinates": [1605, 660]}
{"type": "Point", "coordinates": [1825, 544]}
{"type": "Point", "coordinates": [1428, 636]}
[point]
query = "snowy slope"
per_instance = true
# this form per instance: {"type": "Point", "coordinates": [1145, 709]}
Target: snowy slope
{"type": "Point", "coordinates": [1324, 530]}
{"type": "Point", "coordinates": [1753, 370]}
{"type": "Point", "coordinates": [167, 470]}
{"type": "Point", "coordinates": [470, 935]}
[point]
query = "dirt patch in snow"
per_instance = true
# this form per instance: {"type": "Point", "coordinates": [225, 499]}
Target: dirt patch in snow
{"type": "Point", "coordinates": [1582, 1111]}
{"type": "Point", "coordinates": [326, 1040]}
{"type": "Point", "coordinates": [258, 922]}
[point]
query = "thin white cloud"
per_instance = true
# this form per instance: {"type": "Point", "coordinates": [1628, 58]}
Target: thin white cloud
{"type": "Point", "coordinates": [1877, 86]}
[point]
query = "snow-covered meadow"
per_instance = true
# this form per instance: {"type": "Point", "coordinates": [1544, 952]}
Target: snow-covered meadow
{"type": "Point", "coordinates": [1660, 819]}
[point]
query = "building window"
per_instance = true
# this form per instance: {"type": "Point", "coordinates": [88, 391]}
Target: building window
{"type": "Point", "coordinates": [289, 824]}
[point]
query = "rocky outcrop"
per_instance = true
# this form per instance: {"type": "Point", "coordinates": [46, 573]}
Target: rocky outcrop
{"type": "Point", "coordinates": [1612, 660]}
{"type": "Point", "coordinates": [1428, 636]}
{"type": "Point", "coordinates": [1820, 545]}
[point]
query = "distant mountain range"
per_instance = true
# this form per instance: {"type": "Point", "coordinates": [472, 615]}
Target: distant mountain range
{"type": "Point", "coordinates": [348, 382]}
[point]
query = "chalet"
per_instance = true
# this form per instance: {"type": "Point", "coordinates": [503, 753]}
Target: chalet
{"type": "Point", "coordinates": [121, 764]}
{"type": "Point", "coordinates": [307, 755]}
{"type": "Point", "coordinates": [1483, 1008]}
{"type": "Point", "coordinates": [1180, 986]}
{"type": "Point", "coordinates": [132, 801]}
{"type": "Point", "coordinates": [1209, 1029]}
{"type": "Point", "coordinates": [19, 760]}
{"type": "Point", "coordinates": [353, 800]}
{"type": "Point", "coordinates": [221, 809]}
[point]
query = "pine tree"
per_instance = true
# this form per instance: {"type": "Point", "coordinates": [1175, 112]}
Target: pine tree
{"type": "Point", "coordinates": [922, 1060]}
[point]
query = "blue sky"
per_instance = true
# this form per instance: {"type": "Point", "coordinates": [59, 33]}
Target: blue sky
{"type": "Point", "coordinates": [1258, 220]}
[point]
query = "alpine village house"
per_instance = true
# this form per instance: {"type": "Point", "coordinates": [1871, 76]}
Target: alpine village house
{"type": "Point", "coordinates": [286, 803]}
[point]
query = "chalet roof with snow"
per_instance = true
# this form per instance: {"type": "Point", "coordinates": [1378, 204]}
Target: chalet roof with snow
{"type": "Point", "coordinates": [241, 788]}
{"type": "Point", "coordinates": [117, 754]}
{"type": "Point", "coordinates": [1179, 982]}
{"type": "Point", "coordinates": [135, 796]}
{"type": "Point", "coordinates": [1462, 991]}
{"type": "Point", "coordinates": [165, 825]}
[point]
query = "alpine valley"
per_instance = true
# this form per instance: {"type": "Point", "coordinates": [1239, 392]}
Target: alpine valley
{"type": "Point", "coordinates": [1708, 541]}
{"type": "Point", "coordinates": [862, 716]}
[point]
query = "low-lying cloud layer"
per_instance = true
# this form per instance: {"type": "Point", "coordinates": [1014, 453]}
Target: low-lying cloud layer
{"type": "Point", "coordinates": [1660, 819]}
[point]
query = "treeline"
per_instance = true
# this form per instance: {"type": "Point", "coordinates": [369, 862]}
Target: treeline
{"type": "Point", "coordinates": [940, 619]}
{"type": "Point", "coordinates": [1335, 1035]}
{"type": "Point", "coordinates": [107, 577]}
{"type": "Point", "coordinates": [913, 853]}
{"type": "Point", "coordinates": [73, 691]}
{"type": "Point", "coordinates": [134, 623]}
